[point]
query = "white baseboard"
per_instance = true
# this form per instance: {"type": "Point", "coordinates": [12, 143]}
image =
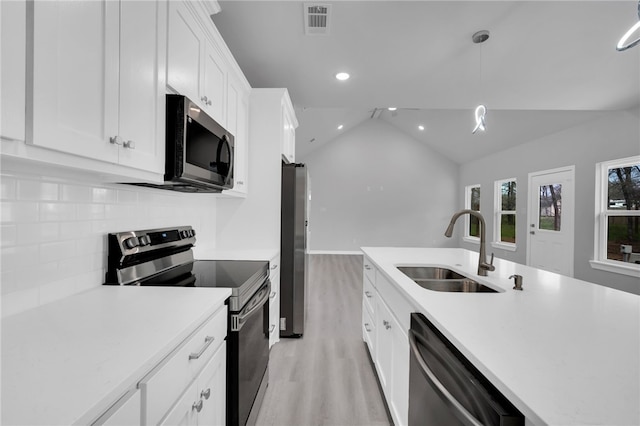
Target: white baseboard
{"type": "Point", "coordinates": [347, 252]}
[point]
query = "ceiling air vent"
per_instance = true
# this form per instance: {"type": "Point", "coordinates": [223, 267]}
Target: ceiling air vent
{"type": "Point", "coordinates": [316, 19]}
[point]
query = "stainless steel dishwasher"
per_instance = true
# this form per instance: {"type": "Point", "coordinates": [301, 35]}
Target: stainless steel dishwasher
{"type": "Point", "coordinates": [446, 389]}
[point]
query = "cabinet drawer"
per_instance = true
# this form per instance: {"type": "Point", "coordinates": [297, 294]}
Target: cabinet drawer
{"type": "Point", "coordinates": [162, 387]}
{"type": "Point", "coordinates": [369, 271]}
{"type": "Point", "coordinates": [398, 305]}
{"type": "Point", "coordinates": [369, 330]}
{"type": "Point", "coordinates": [368, 296]}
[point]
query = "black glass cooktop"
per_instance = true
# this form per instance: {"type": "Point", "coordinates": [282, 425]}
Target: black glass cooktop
{"type": "Point", "coordinates": [232, 274]}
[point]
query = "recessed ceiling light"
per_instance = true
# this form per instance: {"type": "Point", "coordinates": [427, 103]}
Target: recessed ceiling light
{"type": "Point", "coordinates": [421, 127]}
{"type": "Point", "coordinates": [340, 127]}
{"type": "Point", "coordinates": [342, 76]}
{"type": "Point", "coordinates": [392, 108]}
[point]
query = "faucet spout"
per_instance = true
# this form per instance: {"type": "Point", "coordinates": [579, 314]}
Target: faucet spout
{"type": "Point", "coordinates": [483, 266]}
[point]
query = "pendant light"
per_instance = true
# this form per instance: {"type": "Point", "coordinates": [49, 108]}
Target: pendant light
{"type": "Point", "coordinates": [624, 42]}
{"type": "Point", "coordinates": [481, 110]}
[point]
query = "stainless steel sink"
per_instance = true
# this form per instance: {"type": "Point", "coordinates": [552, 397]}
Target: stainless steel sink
{"type": "Point", "coordinates": [443, 279]}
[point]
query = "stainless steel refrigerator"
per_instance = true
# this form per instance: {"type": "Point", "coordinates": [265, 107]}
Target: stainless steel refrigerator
{"type": "Point", "coordinates": [293, 250]}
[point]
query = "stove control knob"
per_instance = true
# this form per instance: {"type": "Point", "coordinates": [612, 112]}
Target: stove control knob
{"type": "Point", "coordinates": [131, 242]}
{"type": "Point", "coordinates": [184, 234]}
{"type": "Point", "coordinates": [193, 232]}
{"type": "Point", "coordinates": [144, 241]}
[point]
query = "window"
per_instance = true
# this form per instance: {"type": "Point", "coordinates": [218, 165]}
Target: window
{"type": "Point", "coordinates": [617, 225]}
{"type": "Point", "coordinates": [472, 223]}
{"type": "Point", "coordinates": [504, 229]}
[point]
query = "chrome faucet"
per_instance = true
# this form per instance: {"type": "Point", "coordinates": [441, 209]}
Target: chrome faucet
{"type": "Point", "coordinates": [483, 266]}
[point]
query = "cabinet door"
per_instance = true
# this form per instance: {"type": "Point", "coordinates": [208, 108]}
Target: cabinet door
{"type": "Point", "coordinates": [13, 33]}
{"type": "Point", "coordinates": [214, 83]}
{"type": "Point", "coordinates": [142, 84]}
{"type": "Point", "coordinates": [74, 105]}
{"type": "Point", "coordinates": [185, 48]}
{"type": "Point", "coordinates": [212, 390]}
{"type": "Point", "coordinates": [399, 394]}
{"type": "Point", "coordinates": [384, 345]}
{"type": "Point", "coordinates": [184, 411]}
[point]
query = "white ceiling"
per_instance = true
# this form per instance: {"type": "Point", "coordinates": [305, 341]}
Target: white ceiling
{"type": "Point", "coordinates": [548, 65]}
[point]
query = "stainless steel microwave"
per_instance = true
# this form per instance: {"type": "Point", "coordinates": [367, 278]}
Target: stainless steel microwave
{"type": "Point", "coordinates": [199, 151]}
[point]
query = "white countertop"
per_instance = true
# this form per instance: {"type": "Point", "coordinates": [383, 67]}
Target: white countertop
{"type": "Point", "coordinates": [65, 362]}
{"type": "Point", "coordinates": [563, 351]}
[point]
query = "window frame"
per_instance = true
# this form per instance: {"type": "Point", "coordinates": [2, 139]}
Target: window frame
{"type": "Point", "coordinates": [498, 213]}
{"type": "Point", "coordinates": [467, 219]}
{"type": "Point", "coordinates": [602, 215]}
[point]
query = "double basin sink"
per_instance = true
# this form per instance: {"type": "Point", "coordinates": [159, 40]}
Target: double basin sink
{"type": "Point", "coordinates": [443, 279]}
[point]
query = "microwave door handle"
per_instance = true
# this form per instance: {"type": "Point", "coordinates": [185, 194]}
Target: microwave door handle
{"type": "Point", "coordinates": [225, 139]}
{"type": "Point", "coordinates": [437, 386]}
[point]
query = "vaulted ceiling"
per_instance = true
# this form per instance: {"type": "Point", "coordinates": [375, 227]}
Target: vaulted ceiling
{"type": "Point", "coordinates": [547, 66]}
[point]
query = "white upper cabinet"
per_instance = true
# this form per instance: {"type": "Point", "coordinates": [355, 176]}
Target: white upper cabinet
{"type": "Point", "coordinates": [196, 67]}
{"type": "Point", "coordinates": [201, 67]}
{"type": "Point", "coordinates": [290, 124]}
{"type": "Point", "coordinates": [13, 52]}
{"type": "Point", "coordinates": [98, 81]}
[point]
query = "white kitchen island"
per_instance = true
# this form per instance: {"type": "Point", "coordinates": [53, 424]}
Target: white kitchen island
{"type": "Point", "coordinates": [563, 351]}
{"type": "Point", "coordinates": [67, 362]}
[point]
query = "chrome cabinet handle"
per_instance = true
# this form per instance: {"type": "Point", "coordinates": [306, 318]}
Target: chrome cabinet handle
{"type": "Point", "coordinates": [274, 267]}
{"type": "Point", "coordinates": [272, 295]}
{"type": "Point", "coordinates": [368, 294]}
{"type": "Point", "coordinates": [273, 327]}
{"type": "Point", "coordinates": [367, 327]}
{"type": "Point", "coordinates": [240, 182]}
{"type": "Point", "coordinates": [129, 144]}
{"type": "Point", "coordinates": [205, 393]}
{"type": "Point", "coordinates": [386, 324]}
{"type": "Point", "coordinates": [207, 342]}
{"type": "Point", "coordinates": [367, 267]}
{"type": "Point", "coordinates": [115, 140]}
{"type": "Point", "coordinates": [209, 102]}
{"type": "Point", "coordinates": [204, 99]}
{"type": "Point", "coordinates": [197, 406]}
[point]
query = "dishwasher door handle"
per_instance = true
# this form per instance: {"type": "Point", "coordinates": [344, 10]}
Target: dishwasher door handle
{"type": "Point", "coordinates": [439, 388]}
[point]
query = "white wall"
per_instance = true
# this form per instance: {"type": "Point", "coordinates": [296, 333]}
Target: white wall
{"type": "Point", "coordinates": [377, 186]}
{"type": "Point", "coordinates": [54, 231]}
{"type": "Point", "coordinates": [614, 135]}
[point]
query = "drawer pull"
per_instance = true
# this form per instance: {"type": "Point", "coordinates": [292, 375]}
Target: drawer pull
{"type": "Point", "coordinates": [205, 393]}
{"type": "Point", "coordinates": [368, 294]}
{"type": "Point", "coordinates": [367, 327]}
{"type": "Point", "coordinates": [273, 327]}
{"type": "Point", "coordinates": [272, 295]}
{"type": "Point", "coordinates": [274, 267]}
{"type": "Point", "coordinates": [197, 406]}
{"type": "Point", "coordinates": [207, 342]}
{"type": "Point", "coordinates": [386, 324]}
{"type": "Point", "coordinates": [367, 267]}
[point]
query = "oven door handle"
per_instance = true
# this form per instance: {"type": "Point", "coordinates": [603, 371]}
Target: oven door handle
{"type": "Point", "coordinates": [438, 387]}
{"type": "Point", "coordinates": [239, 320]}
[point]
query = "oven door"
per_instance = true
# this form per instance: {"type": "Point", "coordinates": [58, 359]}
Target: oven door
{"type": "Point", "coordinates": [248, 355]}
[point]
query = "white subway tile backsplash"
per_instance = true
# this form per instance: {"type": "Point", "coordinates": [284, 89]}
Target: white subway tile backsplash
{"type": "Point", "coordinates": [8, 235]}
{"type": "Point", "coordinates": [57, 251]}
{"type": "Point", "coordinates": [53, 231]}
{"type": "Point", "coordinates": [37, 190]}
{"type": "Point", "coordinates": [76, 193]}
{"type": "Point", "coordinates": [57, 212]}
{"type": "Point", "coordinates": [7, 188]}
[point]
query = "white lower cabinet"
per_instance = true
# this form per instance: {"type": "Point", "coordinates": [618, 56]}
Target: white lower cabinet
{"type": "Point", "coordinates": [203, 402]}
{"type": "Point", "coordinates": [185, 374]}
{"type": "Point", "coordinates": [385, 317]}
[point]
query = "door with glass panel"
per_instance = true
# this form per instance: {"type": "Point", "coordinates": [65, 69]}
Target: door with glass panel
{"type": "Point", "coordinates": [551, 220]}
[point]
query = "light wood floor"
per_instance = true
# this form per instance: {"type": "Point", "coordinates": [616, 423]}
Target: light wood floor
{"type": "Point", "coordinates": [325, 377]}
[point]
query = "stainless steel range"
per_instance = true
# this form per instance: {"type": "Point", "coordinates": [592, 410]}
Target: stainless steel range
{"type": "Point", "coordinates": [164, 257]}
